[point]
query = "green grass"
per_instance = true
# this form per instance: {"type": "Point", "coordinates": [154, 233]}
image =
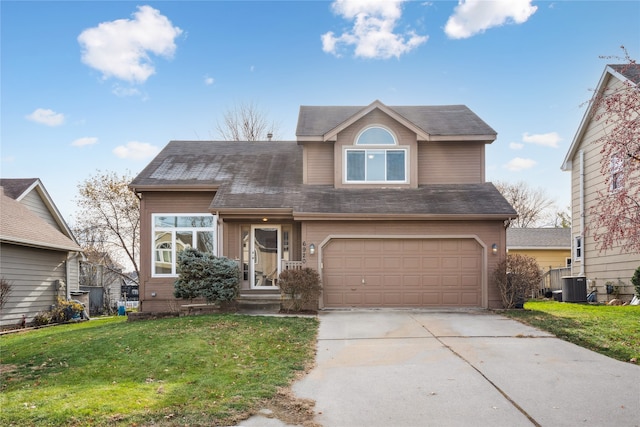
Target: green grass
{"type": "Point", "coordinates": [200, 370]}
{"type": "Point", "coordinates": [610, 330]}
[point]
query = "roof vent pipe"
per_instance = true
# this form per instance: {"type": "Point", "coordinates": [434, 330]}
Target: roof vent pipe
{"type": "Point", "coordinates": [269, 136]}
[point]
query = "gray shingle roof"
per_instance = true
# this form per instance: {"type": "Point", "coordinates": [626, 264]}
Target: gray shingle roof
{"type": "Point", "coordinates": [19, 225]}
{"type": "Point", "coordinates": [630, 71]}
{"type": "Point", "coordinates": [249, 167]}
{"type": "Point", "coordinates": [539, 238]}
{"type": "Point", "coordinates": [268, 175]}
{"type": "Point", "coordinates": [439, 120]}
{"type": "Point", "coordinates": [14, 187]}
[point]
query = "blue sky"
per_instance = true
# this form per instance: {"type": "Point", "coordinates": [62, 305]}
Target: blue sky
{"type": "Point", "coordinates": [89, 86]}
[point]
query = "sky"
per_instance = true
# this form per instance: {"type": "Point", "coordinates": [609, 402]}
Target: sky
{"type": "Point", "coordinates": [102, 86]}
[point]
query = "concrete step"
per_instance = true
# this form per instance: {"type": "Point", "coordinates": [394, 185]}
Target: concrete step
{"type": "Point", "coordinates": [259, 303]}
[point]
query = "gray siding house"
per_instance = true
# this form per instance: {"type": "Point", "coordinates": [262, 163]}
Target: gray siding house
{"type": "Point", "coordinates": [39, 255]}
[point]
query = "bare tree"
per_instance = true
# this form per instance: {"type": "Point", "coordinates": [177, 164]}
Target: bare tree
{"type": "Point", "coordinates": [533, 205]}
{"type": "Point", "coordinates": [615, 217]}
{"type": "Point", "coordinates": [108, 224]}
{"type": "Point", "coordinates": [246, 122]}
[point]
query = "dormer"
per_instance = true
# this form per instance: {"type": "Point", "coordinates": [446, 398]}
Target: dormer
{"type": "Point", "coordinates": [378, 146]}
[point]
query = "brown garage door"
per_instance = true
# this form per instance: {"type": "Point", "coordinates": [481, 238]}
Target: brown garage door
{"type": "Point", "coordinates": [402, 273]}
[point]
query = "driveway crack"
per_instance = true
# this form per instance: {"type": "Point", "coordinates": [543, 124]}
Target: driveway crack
{"type": "Point", "coordinates": [494, 385]}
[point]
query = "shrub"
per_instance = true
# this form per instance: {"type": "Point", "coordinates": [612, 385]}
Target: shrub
{"type": "Point", "coordinates": [42, 318]}
{"type": "Point", "coordinates": [636, 281]}
{"type": "Point", "coordinates": [5, 290]}
{"type": "Point", "coordinates": [65, 310]}
{"type": "Point", "coordinates": [301, 286]}
{"type": "Point", "coordinates": [203, 275]}
{"type": "Point", "coordinates": [516, 276]}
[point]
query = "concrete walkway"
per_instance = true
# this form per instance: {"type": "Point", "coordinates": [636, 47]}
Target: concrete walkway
{"type": "Point", "coordinates": [460, 368]}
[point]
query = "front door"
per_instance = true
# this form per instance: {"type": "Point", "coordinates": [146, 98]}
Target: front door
{"type": "Point", "coordinates": [265, 256]}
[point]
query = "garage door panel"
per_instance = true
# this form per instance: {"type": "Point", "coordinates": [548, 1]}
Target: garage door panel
{"type": "Point", "coordinates": [430, 263]}
{"type": "Point", "coordinates": [452, 263]}
{"type": "Point", "coordinates": [431, 281]}
{"type": "Point", "coordinates": [412, 281]}
{"type": "Point", "coordinates": [470, 298]}
{"type": "Point", "coordinates": [373, 263]}
{"type": "Point", "coordinates": [402, 272]}
{"type": "Point", "coordinates": [411, 263]}
{"type": "Point", "coordinates": [373, 299]}
{"type": "Point", "coordinates": [391, 262]}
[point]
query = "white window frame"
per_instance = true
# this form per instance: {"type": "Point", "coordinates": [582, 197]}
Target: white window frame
{"type": "Point", "coordinates": [173, 231]}
{"type": "Point", "coordinates": [616, 168]}
{"type": "Point", "coordinates": [369, 149]}
{"type": "Point", "coordinates": [578, 248]}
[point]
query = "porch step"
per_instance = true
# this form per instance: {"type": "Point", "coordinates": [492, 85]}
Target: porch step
{"type": "Point", "coordinates": [259, 303]}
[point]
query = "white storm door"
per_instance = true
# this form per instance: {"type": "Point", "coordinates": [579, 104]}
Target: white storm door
{"type": "Point", "coordinates": [265, 255]}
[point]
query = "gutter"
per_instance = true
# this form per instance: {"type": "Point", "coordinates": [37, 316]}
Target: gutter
{"type": "Point", "coordinates": [582, 263]}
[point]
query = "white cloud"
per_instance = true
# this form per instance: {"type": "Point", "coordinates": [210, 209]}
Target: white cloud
{"type": "Point", "coordinates": [517, 164]}
{"type": "Point", "coordinates": [208, 80]}
{"type": "Point", "coordinates": [516, 146]}
{"type": "Point", "coordinates": [123, 91]}
{"type": "Point", "coordinates": [550, 139]}
{"type": "Point", "coordinates": [121, 48]}
{"type": "Point", "coordinates": [87, 140]}
{"type": "Point", "coordinates": [46, 117]}
{"type": "Point", "coordinates": [372, 33]}
{"type": "Point", "coordinates": [136, 150]}
{"type": "Point", "coordinates": [471, 17]}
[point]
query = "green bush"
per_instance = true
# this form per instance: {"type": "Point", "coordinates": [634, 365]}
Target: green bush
{"type": "Point", "coordinates": [302, 287]}
{"type": "Point", "coordinates": [636, 281]}
{"type": "Point", "coordinates": [203, 275]}
{"type": "Point", "coordinates": [516, 276]}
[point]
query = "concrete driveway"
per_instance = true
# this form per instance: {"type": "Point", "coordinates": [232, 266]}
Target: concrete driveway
{"type": "Point", "coordinates": [460, 368]}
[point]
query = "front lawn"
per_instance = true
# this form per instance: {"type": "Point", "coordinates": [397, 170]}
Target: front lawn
{"type": "Point", "coordinates": [610, 330]}
{"type": "Point", "coordinates": [200, 370]}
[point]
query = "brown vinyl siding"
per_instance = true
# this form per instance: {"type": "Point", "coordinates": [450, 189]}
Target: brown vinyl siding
{"type": "Point", "coordinates": [163, 202]}
{"type": "Point", "coordinates": [405, 139]}
{"type": "Point", "coordinates": [318, 164]}
{"type": "Point", "coordinates": [450, 163]}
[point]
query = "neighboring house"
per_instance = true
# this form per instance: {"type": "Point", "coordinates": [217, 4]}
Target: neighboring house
{"type": "Point", "coordinates": [583, 161]}
{"type": "Point", "coordinates": [551, 247]}
{"type": "Point", "coordinates": [389, 204]}
{"type": "Point", "coordinates": [101, 277]}
{"type": "Point", "coordinates": [39, 255]}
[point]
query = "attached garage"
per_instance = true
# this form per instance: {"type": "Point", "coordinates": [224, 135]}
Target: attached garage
{"type": "Point", "coordinates": [402, 272]}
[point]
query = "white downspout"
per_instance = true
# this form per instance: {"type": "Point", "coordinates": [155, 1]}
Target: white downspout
{"type": "Point", "coordinates": [582, 262]}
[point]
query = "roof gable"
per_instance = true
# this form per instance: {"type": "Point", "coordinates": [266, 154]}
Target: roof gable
{"type": "Point", "coordinates": [622, 72]}
{"type": "Point", "coordinates": [19, 225]}
{"type": "Point", "coordinates": [430, 123]}
{"type": "Point", "coordinates": [21, 189]}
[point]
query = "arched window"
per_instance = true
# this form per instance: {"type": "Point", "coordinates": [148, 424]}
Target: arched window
{"type": "Point", "coordinates": [376, 164]}
{"type": "Point", "coordinates": [375, 135]}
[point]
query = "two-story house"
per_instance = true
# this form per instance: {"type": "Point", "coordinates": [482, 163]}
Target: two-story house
{"type": "Point", "coordinates": [388, 203]}
{"type": "Point", "coordinates": [583, 159]}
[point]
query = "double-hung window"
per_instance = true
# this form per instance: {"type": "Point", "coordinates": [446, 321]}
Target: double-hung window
{"type": "Point", "coordinates": [173, 233]}
{"type": "Point", "coordinates": [375, 158]}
